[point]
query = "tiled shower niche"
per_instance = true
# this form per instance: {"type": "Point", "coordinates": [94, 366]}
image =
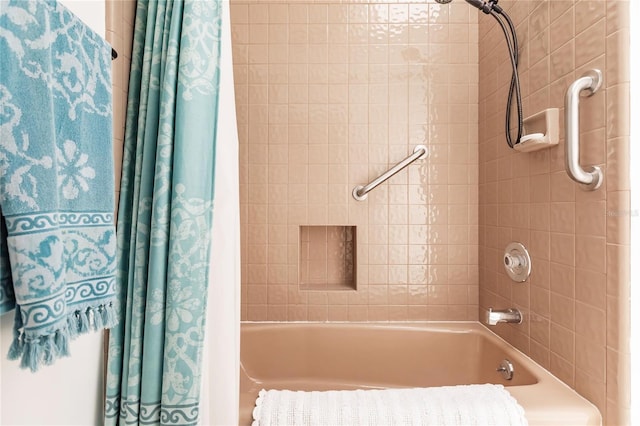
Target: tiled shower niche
{"type": "Point", "coordinates": [327, 257]}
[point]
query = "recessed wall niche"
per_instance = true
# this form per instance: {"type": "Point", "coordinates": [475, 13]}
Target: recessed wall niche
{"type": "Point", "coordinates": [327, 258]}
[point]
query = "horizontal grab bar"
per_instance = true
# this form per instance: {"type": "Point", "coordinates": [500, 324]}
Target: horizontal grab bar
{"type": "Point", "coordinates": [588, 84]}
{"type": "Point", "coordinates": [360, 192]}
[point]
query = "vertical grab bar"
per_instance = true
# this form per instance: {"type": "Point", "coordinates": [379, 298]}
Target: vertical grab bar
{"type": "Point", "coordinates": [589, 83]}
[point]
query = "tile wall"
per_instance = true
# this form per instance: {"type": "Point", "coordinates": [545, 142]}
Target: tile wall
{"type": "Point", "coordinates": [576, 302]}
{"type": "Point", "coordinates": [329, 95]}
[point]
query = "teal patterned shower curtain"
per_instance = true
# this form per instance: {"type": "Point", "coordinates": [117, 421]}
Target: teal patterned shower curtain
{"type": "Point", "coordinates": [165, 214]}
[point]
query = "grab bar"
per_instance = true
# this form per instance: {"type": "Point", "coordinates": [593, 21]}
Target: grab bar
{"type": "Point", "coordinates": [360, 192]}
{"type": "Point", "coordinates": [589, 83]}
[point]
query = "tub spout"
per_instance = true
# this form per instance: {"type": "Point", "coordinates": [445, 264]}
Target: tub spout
{"type": "Point", "coordinates": [511, 315]}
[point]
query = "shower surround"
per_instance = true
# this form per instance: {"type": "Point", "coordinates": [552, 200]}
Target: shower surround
{"type": "Point", "coordinates": [576, 302]}
{"type": "Point", "coordinates": [329, 95]}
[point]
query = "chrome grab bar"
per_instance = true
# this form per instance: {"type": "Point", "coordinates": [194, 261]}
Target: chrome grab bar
{"type": "Point", "coordinates": [360, 192]}
{"type": "Point", "coordinates": [589, 83]}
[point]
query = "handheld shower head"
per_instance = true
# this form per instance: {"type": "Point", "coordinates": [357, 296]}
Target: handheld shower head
{"type": "Point", "coordinates": [477, 3]}
{"type": "Point", "coordinates": [486, 6]}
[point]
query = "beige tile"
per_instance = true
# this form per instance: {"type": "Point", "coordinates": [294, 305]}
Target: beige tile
{"type": "Point", "coordinates": [563, 311]}
{"type": "Point", "coordinates": [562, 61]}
{"type": "Point", "coordinates": [590, 358]}
{"type": "Point", "coordinates": [618, 314]}
{"type": "Point", "coordinates": [540, 302]}
{"type": "Point", "coordinates": [591, 218]}
{"type": "Point", "coordinates": [297, 313]}
{"type": "Point", "coordinates": [540, 216]}
{"type": "Point", "coordinates": [562, 26]}
{"type": "Point", "coordinates": [257, 312]}
{"type": "Point", "coordinates": [540, 189]}
{"type": "Point", "coordinates": [618, 365]}
{"type": "Point", "coordinates": [591, 288]}
{"type": "Point", "coordinates": [318, 313]}
{"type": "Point", "coordinates": [540, 245]}
{"type": "Point", "coordinates": [540, 354]}
{"type": "Point", "coordinates": [562, 279]}
{"type": "Point", "coordinates": [617, 16]}
{"type": "Point", "coordinates": [618, 269]}
{"type": "Point", "coordinates": [562, 342]}
{"type": "Point", "coordinates": [618, 111]}
{"type": "Point", "coordinates": [617, 172]}
{"type": "Point", "coordinates": [618, 57]}
{"type": "Point", "coordinates": [563, 249]}
{"type": "Point", "coordinates": [563, 217]}
{"type": "Point", "coordinates": [587, 13]}
{"type": "Point", "coordinates": [590, 43]}
{"type": "Point", "coordinates": [591, 388]}
{"type": "Point", "coordinates": [358, 313]}
{"type": "Point", "coordinates": [591, 323]}
{"type": "Point", "coordinates": [540, 330]}
{"type": "Point", "coordinates": [591, 253]}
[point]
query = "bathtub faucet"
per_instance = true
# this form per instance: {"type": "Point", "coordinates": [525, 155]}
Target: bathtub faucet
{"type": "Point", "coordinates": [511, 315]}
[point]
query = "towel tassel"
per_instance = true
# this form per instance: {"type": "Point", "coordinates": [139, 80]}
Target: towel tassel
{"type": "Point", "coordinates": [17, 346]}
{"type": "Point", "coordinates": [61, 343]}
{"type": "Point", "coordinates": [84, 321]}
{"type": "Point", "coordinates": [50, 350]}
{"type": "Point", "coordinates": [72, 325]}
{"type": "Point", "coordinates": [33, 351]}
{"type": "Point", "coordinates": [97, 318]}
{"type": "Point", "coordinates": [108, 316]}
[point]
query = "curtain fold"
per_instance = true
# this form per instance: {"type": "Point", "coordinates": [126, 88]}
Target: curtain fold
{"type": "Point", "coordinates": [221, 366]}
{"type": "Point", "coordinates": [165, 214]}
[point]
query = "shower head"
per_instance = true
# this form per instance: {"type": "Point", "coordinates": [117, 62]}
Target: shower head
{"type": "Point", "coordinates": [443, 1]}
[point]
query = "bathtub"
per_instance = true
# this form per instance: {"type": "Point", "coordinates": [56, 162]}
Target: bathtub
{"type": "Point", "coordinates": [314, 356]}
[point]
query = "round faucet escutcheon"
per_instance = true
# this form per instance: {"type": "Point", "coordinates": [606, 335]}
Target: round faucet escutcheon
{"type": "Point", "coordinates": [517, 262]}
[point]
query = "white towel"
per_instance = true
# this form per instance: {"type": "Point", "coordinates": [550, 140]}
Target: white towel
{"type": "Point", "coordinates": [448, 405]}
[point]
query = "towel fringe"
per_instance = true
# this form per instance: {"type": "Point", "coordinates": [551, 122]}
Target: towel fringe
{"type": "Point", "coordinates": [258, 408]}
{"type": "Point", "coordinates": [109, 318]}
{"type": "Point", "coordinates": [33, 351]}
{"type": "Point", "coordinates": [62, 343]}
{"type": "Point", "coordinates": [83, 321]}
{"type": "Point", "coordinates": [17, 346]}
{"type": "Point", "coordinates": [50, 351]}
{"type": "Point", "coordinates": [44, 350]}
{"type": "Point", "coordinates": [96, 314]}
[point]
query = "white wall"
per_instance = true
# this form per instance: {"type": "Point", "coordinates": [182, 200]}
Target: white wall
{"type": "Point", "coordinates": [92, 12]}
{"type": "Point", "coordinates": [70, 391]}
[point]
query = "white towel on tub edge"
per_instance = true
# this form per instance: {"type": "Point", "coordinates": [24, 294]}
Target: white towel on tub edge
{"type": "Point", "coordinates": [439, 406]}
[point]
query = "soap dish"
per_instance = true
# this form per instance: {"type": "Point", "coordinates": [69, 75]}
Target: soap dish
{"type": "Point", "coordinates": [541, 131]}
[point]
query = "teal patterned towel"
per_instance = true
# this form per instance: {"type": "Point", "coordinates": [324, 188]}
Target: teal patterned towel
{"type": "Point", "coordinates": [57, 239]}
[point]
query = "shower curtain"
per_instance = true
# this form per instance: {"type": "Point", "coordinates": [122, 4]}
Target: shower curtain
{"type": "Point", "coordinates": [164, 228]}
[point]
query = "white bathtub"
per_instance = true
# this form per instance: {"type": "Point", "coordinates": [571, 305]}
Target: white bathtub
{"type": "Point", "coordinates": [313, 356]}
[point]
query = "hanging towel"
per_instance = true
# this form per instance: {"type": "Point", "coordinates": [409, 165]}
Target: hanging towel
{"type": "Point", "coordinates": [57, 265]}
{"type": "Point", "coordinates": [438, 406]}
